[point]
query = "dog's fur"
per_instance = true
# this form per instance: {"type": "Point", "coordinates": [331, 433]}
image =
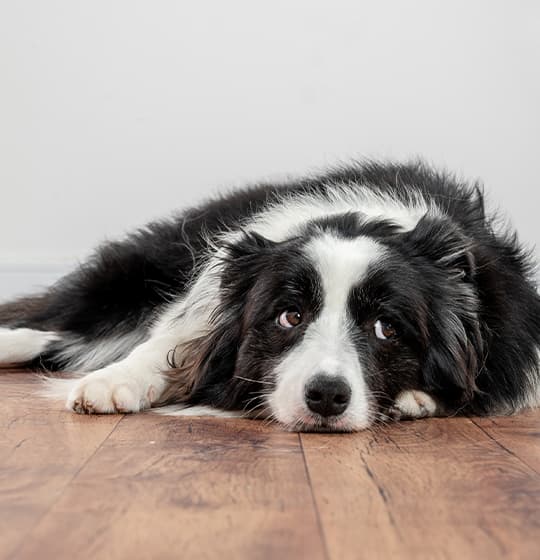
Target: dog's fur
{"type": "Point", "coordinates": [405, 302]}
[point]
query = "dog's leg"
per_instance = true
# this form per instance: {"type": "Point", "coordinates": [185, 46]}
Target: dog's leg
{"type": "Point", "coordinates": [139, 380]}
{"type": "Point", "coordinates": [413, 404]}
{"type": "Point", "coordinates": [19, 346]}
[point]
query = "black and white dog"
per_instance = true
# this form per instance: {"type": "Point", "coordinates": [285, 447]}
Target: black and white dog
{"type": "Point", "coordinates": [330, 303]}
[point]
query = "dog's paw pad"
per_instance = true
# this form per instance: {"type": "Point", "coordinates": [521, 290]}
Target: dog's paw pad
{"type": "Point", "coordinates": [77, 406]}
{"type": "Point", "coordinates": [413, 404]}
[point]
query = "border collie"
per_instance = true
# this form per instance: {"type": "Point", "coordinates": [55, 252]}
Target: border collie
{"type": "Point", "coordinates": [374, 291]}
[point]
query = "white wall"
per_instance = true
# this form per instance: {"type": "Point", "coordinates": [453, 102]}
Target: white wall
{"type": "Point", "coordinates": [113, 112]}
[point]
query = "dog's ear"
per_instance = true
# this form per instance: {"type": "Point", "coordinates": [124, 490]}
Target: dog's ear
{"type": "Point", "coordinates": [453, 358]}
{"type": "Point", "coordinates": [201, 368]}
{"type": "Point", "coordinates": [244, 259]}
{"type": "Point", "coordinates": [454, 349]}
{"type": "Point", "coordinates": [445, 244]}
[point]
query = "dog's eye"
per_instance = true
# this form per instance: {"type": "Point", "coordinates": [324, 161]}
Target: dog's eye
{"type": "Point", "coordinates": [384, 330]}
{"type": "Point", "coordinates": [289, 318]}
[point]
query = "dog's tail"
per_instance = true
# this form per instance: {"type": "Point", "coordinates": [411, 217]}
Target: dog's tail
{"type": "Point", "coordinates": [27, 312]}
{"type": "Point", "coordinates": [26, 330]}
{"type": "Point", "coordinates": [62, 330]}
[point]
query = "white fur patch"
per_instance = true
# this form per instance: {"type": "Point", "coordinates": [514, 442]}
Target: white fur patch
{"type": "Point", "coordinates": [415, 404]}
{"type": "Point", "coordinates": [281, 219]}
{"type": "Point", "coordinates": [18, 346]}
{"type": "Point", "coordinates": [532, 400]}
{"type": "Point", "coordinates": [129, 385]}
{"type": "Point", "coordinates": [180, 410]}
{"type": "Point", "coordinates": [342, 264]}
{"type": "Point", "coordinates": [326, 346]}
{"type": "Point", "coordinates": [119, 387]}
{"type": "Point", "coordinates": [79, 355]}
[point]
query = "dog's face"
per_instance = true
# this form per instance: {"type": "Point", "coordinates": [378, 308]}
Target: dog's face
{"type": "Point", "coordinates": [331, 326]}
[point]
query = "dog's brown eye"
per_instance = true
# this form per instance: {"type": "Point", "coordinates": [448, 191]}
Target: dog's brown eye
{"type": "Point", "coordinates": [384, 330]}
{"type": "Point", "coordinates": [289, 318]}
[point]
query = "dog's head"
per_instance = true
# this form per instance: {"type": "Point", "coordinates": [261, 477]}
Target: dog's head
{"type": "Point", "coordinates": [324, 330]}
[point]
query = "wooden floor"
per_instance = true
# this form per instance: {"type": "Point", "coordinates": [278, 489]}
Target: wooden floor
{"type": "Point", "coordinates": [145, 486]}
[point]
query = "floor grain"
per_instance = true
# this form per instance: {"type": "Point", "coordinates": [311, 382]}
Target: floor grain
{"type": "Point", "coordinates": [428, 489]}
{"type": "Point", "coordinates": [42, 449]}
{"type": "Point", "coordinates": [147, 486]}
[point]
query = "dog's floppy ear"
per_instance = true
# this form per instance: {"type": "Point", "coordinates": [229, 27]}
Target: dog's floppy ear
{"type": "Point", "coordinates": [445, 244]}
{"type": "Point", "coordinates": [453, 358]}
{"type": "Point", "coordinates": [202, 366]}
{"type": "Point", "coordinates": [244, 260]}
{"type": "Point", "coordinates": [454, 350]}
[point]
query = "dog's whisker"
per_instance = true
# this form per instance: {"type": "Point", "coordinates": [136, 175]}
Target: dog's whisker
{"type": "Point", "coordinates": [253, 380]}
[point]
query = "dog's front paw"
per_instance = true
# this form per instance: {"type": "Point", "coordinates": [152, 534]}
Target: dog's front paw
{"type": "Point", "coordinates": [413, 404]}
{"type": "Point", "coordinates": [108, 391]}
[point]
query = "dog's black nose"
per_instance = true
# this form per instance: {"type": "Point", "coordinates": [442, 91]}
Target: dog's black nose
{"type": "Point", "coordinates": [327, 396]}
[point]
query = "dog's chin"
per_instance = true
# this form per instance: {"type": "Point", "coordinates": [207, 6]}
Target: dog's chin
{"type": "Point", "coordinates": [315, 423]}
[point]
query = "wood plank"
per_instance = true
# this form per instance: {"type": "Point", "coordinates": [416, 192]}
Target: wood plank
{"type": "Point", "coordinates": [158, 487]}
{"type": "Point", "coordinates": [438, 488]}
{"type": "Point", "coordinates": [519, 434]}
{"type": "Point", "coordinates": [42, 447]}
{"type": "Point", "coordinates": [164, 487]}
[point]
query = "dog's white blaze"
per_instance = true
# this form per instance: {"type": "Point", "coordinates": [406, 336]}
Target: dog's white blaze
{"type": "Point", "coordinates": [327, 346]}
{"type": "Point", "coordinates": [21, 345]}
